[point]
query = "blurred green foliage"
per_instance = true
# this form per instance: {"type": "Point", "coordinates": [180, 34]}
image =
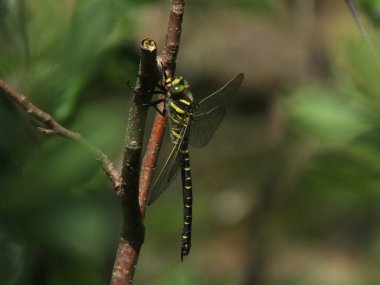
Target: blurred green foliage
{"type": "Point", "coordinates": [372, 8]}
{"type": "Point", "coordinates": [288, 190]}
{"type": "Point", "coordinates": [62, 55]}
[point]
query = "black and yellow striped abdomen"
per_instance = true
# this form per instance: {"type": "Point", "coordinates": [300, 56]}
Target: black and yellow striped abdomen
{"type": "Point", "coordinates": [187, 192]}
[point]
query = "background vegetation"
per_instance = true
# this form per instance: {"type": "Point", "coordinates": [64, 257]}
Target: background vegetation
{"type": "Point", "coordinates": [287, 192]}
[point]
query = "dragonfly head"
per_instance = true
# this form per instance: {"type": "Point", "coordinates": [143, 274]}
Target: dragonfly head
{"type": "Point", "coordinates": [177, 86]}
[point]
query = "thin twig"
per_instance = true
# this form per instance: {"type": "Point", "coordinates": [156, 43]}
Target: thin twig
{"type": "Point", "coordinates": [51, 126]}
{"type": "Point", "coordinates": [150, 159]}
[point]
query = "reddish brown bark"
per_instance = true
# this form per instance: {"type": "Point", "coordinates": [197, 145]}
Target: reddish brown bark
{"type": "Point", "coordinates": [124, 268]}
{"type": "Point", "coordinates": [150, 159]}
{"type": "Point", "coordinates": [173, 35]}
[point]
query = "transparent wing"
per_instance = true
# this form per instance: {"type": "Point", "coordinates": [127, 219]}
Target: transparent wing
{"type": "Point", "coordinates": [203, 126]}
{"type": "Point", "coordinates": [210, 112]}
{"type": "Point", "coordinates": [170, 170]}
{"type": "Point", "coordinates": [220, 97]}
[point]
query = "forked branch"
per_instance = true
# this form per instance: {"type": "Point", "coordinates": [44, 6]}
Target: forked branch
{"type": "Point", "coordinates": [130, 245]}
{"type": "Point", "coordinates": [132, 185]}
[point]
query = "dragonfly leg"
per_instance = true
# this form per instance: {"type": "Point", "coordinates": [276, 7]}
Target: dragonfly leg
{"type": "Point", "coordinates": [162, 113]}
{"type": "Point", "coordinates": [154, 104]}
{"type": "Point", "coordinates": [161, 90]}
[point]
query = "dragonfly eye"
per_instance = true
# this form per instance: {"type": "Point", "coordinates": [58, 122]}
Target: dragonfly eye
{"type": "Point", "coordinates": [176, 89]}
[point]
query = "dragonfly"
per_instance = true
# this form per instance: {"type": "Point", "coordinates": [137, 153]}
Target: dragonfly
{"type": "Point", "coordinates": [193, 124]}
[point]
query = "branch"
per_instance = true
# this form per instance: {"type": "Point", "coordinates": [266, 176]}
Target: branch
{"type": "Point", "coordinates": [138, 191]}
{"type": "Point", "coordinates": [133, 229]}
{"type": "Point", "coordinates": [168, 59]}
{"type": "Point", "coordinates": [168, 56]}
{"type": "Point", "coordinates": [50, 126]}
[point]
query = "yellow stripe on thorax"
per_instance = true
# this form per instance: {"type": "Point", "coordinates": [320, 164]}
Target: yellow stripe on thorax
{"type": "Point", "coordinates": [184, 101]}
{"type": "Point", "coordinates": [178, 109]}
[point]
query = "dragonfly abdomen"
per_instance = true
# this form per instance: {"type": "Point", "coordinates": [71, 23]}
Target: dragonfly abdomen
{"type": "Point", "coordinates": [187, 200]}
{"type": "Point", "coordinates": [179, 115]}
